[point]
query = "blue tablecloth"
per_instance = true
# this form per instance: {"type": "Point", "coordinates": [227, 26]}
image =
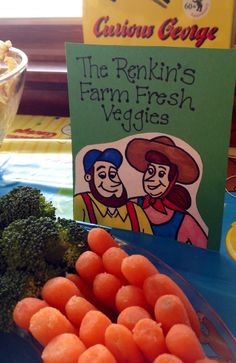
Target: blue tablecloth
{"type": "Point", "coordinates": [212, 273]}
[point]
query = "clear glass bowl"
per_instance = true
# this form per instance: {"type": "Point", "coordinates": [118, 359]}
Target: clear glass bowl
{"type": "Point", "coordinates": [217, 340]}
{"type": "Point", "coordinates": [11, 88]}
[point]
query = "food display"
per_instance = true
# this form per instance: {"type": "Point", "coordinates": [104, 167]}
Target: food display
{"type": "Point", "coordinates": [71, 291]}
{"type": "Point", "coordinates": [84, 296]}
{"type": "Point", "coordinates": [87, 293]}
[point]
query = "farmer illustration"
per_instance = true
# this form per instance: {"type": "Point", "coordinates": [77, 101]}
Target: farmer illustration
{"type": "Point", "coordinates": [106, 202]}
{"type": "Point", "coordinates": [163, 165]}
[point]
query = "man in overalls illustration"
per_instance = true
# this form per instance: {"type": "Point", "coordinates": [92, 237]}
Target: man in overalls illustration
{"type": "Point", "coordinates": [106, 203]}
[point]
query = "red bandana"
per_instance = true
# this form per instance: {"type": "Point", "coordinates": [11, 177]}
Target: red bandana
{"type": "Point", "coordinates": [160, 204]}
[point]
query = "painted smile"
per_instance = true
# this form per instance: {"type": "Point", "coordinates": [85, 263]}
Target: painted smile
{"type": "Point", "coordinates": [108, 191]}
{"type": "Point", "coordinates": [153, 187]}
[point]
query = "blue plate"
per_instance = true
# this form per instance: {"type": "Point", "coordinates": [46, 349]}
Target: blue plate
{"type": "Point", "coordinates": [217, 341]}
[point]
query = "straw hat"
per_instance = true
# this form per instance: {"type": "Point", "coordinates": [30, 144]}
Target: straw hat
{"type": "Point", "coordinates": [188, 171]}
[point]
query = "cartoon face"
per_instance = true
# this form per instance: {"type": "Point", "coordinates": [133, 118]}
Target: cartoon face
{"type": "Point", "coordinates": [107, 180]}
{"type": "Point", "coordinates": [155, 179]}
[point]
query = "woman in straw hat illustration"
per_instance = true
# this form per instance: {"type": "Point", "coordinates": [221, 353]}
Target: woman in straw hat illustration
{"type": "Point", "coordinates": [165, 167]}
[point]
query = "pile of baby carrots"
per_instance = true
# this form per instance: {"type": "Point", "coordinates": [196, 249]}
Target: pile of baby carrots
{"type": "Point", "coordinates": [117, 308]}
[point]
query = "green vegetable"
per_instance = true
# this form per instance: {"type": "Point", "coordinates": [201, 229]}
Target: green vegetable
{"type": "Point", "coordinates": [77, 238]}
{"type": "Point", "coordinates": [13, 287]}
{"type": "Point", "coordinates": [34, 250]}
{"type": "Point", "coordinates": [22, 202]}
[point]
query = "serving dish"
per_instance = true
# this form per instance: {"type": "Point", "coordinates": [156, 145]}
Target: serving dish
{"type": "Point", "coordinates": [11, 87]}
{"type": "Point", "coordinates": [218, 342]}
{"type": "Point", "coordinates": [216, 339]}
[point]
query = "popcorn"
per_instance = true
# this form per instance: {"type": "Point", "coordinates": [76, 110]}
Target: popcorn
{"type": "Point", "coordinates": [8, 99]}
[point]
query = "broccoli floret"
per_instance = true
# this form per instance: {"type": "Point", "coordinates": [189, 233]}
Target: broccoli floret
{"type": "Point", "coordinates": [14, 286]}
{"type": "Point", "coordinates": [22, 202]}
{"type": "Point", "coordinates": [35, 250]}
{"type": "Point", "coordinates": [74, 232]}
{"type": "Point", "coordinates": [24, 243]}
{"type": "Point", "coordinates": [71, 255]}
{"type": "Point", "coordinates": [28, 243]}
{"type": "Point", "coordinates": [76, 238]}
{"type": "Point", "coordinates": [48, 272]}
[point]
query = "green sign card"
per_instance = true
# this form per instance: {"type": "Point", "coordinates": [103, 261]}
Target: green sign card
{"type": "Point", "coordinates": [150, 135]}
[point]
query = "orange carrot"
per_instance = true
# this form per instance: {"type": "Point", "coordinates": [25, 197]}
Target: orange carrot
{"type": "Point", "coordinates": [149, 337]}
{"type": "Point", "coordinates": [74, 277]}
{"type": "Point", "coordinates": [160, 284]}
{"type": "Point", "coordinates": [182, 341]}
{"type": "Point", "coordinates": [83, 286]}
{"type": "Point", "coordinates": [99, 240]}
{"type": "Point", "coordinates": [76, 308]}
{"type": "Point", "coordinates": [25, 309]}
{"type": "Point", "coordinates": [167, 358]}
{"type": "Point", "coordinates": [98, 353]}
{"type": "Point", "coordinates": [112, 259]}
{"type": "Point", "coordinates": [120, 342]}
{"type": "Point", "coordinates": [136, 268]}
{"type": "Point", "coordinates": [105, 287]}
{"type": "Point", "coordinates": [92, 328]}
{"type": "Point", "coordinates": [131, 315]}
{"type": "Point", "coordinates": [64, 348]}
{"type": "Point", "coordinates": [169, 310]}
{"type": "Point", "coordinates": [47, 323]}
{"type": "Point", "coordinates": [88, 265]}
{"type": "Point", "coordinates": [57, 291]}
{"type": "Point", "coordinates": [87, 292]}
{"type": "Point", "coordinates": [130, 295]}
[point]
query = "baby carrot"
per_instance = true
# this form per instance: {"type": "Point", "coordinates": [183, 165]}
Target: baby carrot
{"type": "Point", "coordinates": [86, 290]}
{"type": "Point", "coordinates": [167, 358]}
{"type": "Point", "coordinates": [120, 342]}
{"type": "Point", "coordinates": [57, 291]}
{"type": "Point", "coordinates": [88, 265]}
{"type": "Point", "coordinates": [99, 240]}
{"type": "Point", "coordinates": [149, 337]}
{"type": "Point", "coordinates": [112, 259]}
{"type": "Point", "coordinates": [25, 309]}
{"type": "Point", "coordinates": [105, 287]}
{"type": "Point", "coordinates": [93, 327]}
{"type": "Point", "coordinates": [98, 353]}
{"type": "Point", "coordinates": [76, 308]}
{"type": "Point", "coordinates": [182, 341]}
{"type": "Point", "coordinates": [131, 315]}
{"type": "Point", "coordinates": [64, 348]}
{"type": "Point", "coordinates": [130, 295]}
{"type": "Point", "coordinates": [83, 286]}
{"type": "Point", "coordinates": [47, 323]}
{"type": "Point", "coordinates": [136, 268]}
{"type": "Point", "coordinates": [169, 310]}
{"type": "Point", "coordinates": [160, 284]}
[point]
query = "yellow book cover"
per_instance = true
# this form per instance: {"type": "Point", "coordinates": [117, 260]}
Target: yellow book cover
{"type": "Point", "coordinates": [178, 23]}
{"type": "Point", "coordinates": [37, 134]}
